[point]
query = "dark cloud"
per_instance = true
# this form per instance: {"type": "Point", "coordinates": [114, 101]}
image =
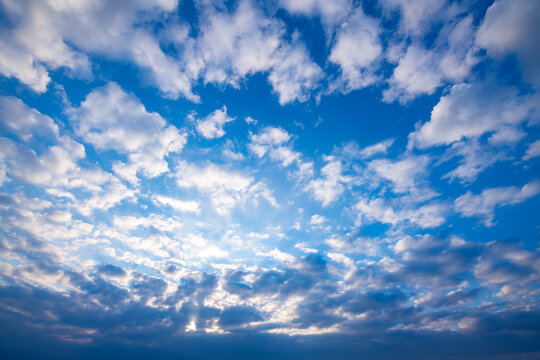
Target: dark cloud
{"type": "Point", "coordinates": [239, 315]}
{"type": "Point", "coordinates": [111, 270]}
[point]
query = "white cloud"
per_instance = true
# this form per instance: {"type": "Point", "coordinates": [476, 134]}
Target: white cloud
{"type": "Point", "coordinates": [273, 141]}
{"type": "Point", "coordinates": [234, 45]}
{"type": "Point", "coordinates": [113, 192]}
{"type": "Point", "coordinates": [360, 245]}
{"type": "Point", "coordinates": [294, 75]}
{"type": "Point", "coordinates": [532, 151]}
{"type": "Point", "coordinates": [484, 204]}
{"type": "Point", "coordinates": [110, 118]}
{"type": "Point", "coordinates": [376, 149]}
{"type": "Point", "coordinates": [225, 188]}
{"type": "Point", "coordinates": [211, 126]}
{"type": "Point", "coordinates": [16, 117]}
{"type": "Point", "coordinates": [403, 174]}
{"type": "Point", "coordinates": [506, 136]}
{"type": "Point", "coordinates": [284, 155]}
{"type": "Point", "coordinates": [49, 167]}
{"type": "Point", "coordinates": [317, 219]}
{"type": "Point", "coordinates": [278, 255]}
{"type": "Point", "coordinates": [16, 62]}
{"type": "Point", "coordinates": [331, 12]}
{"type": "Point", "coordinates": [230, 151]}
{"type": "Point", "coordinates": [330, 186]}
{"type": "Point", "coordinates": [415, 74]}
{"type": "Point", "coordinates": [421, 71]}
{"type": "Point", "coordinates": [270, 136]}
{"type": "Point", "coordinates": [158, 222]}
{"type": "Point", "coordinates": [416, 15]}
{"type": "Point", "coordinates": [44, 33]}
{"type": "Point", "coordinates": [179, 205]}
{"type": "Point", "coordinates": [356, 50]}
{"type": "Point", "coordinates": [474, 159]}
{"type": "Point", "coordinates": [396, 212]}
{"type": "Point", "coordinates": [249, 120]}
{"type": "Point", "coordinates": [469, 111]}
{"type": "Point", "coordinates": [55, 165]}
{"type": "Point", "coordinates": [512, 27]}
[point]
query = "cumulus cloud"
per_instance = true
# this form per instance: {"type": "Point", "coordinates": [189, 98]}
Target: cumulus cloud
{"type": "Point", "coordinates": [177, 204]}
{"type": "Point", "coordinates": [46, 34]}
{"type": "Point", "coordinates": [474, 158]}
{"type": "Point", "coordinates": [294, 75]}
{"type": "Point", "coordinates": [357, 48]}
{"type": "Point", "coordinates": [225, 188]}
{"type": "Point", "coordinates": [380, 148]}
{"type": "Point", "coordinates": [22, 162]}
{"type": "Point", "coordinates": [469, 111]}
{"type": "Point", "coordinates": [263, 238]}
{"type": "Point", "coordinates": [415, 16]}
{"type": "Point", "coordinates": [110, 118]}
{"type": "Point", "coordinates": [19, 119]}
{"type": "Point", "coordinates": [421, 71]}
{"type": "Point", "coordinates": [512, 27]}
{"type": "Point", "coordinates": [55, 162]}
{"type": "Point", "coordinates": [397, 212]}
{"type": "Point", "coordinates": [233, 45]}
{"type": "Point", "coordinates": [211, 126]}
{"type": "Point", "coordinates": [329, 187]}
{"type": "Point", "coordinates": [533, 151]}
{"type": "Point", "coordinates": [273, 141]}
{"type": "Point", "coordinates": [484, 204]}
{"type": "Point", "coordinates": [331, 13]}
{"type": "Point", "coordinates": [404, 174]}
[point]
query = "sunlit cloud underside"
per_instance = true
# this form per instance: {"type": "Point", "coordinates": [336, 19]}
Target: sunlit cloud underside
{"type": "Point", "coordinates": [292, 179]}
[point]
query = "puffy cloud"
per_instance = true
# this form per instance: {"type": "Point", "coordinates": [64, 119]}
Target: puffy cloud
{"type": "Point", "coordinates": [505, 262]}
{"type": "Point", "coordinates": [211, 126]}
{"type": "Point", "coordinates": [331, 12]}
{"type": "Point", "coordinates": [233, 45]}
{"type": "Point", "coordinates": [474, 159]}
{"type": "Point", "coordinates": [17, 118]}
{"type": "Point", "coordinates": [441, 263]}
{"type": "Point", "coordinates": [469, 111]}
{"type": "Point", "coordinates": [356, 50]}
{"type": "Point", "coordinates": [329, 187]}
{"type": "Point", "coordinates": [270, 136]}
{"type": "Point", "coordinates": [16, 62]}
{"type": "Point", "coordinates": [52, 159]}
{"type": "Point", "coordinates": [416, 16]}
{"type": "Point", "coordinates": [294, 75]}
{"type": "Point", "coordinates": [484, 204]}
{"type": "Point", "coordinates": [110, 118]}
{"type": "Point", "coordinates": [403, 174]}
{"type": "Point", "coordinates": [512, 27]}
{"type": "Point", "coordinates": [47, 168]}
{"type": "Point", "coordinates": [532, 151]}
{"type": "Point", "coordinates": [129, 222]}
{"type": "Point", "coordinates": [176, 204]}
{"type": "Point", "coordinates": [376, 149]}
{"type": "Point", "coordinates": [45, 33]}
{"type": "Point", "coordinates": [422, 71]}
{"type": "Point", "coordinates": [317, 219]}
{"type": "Point", "coordinates": [397, 212]}
{"type": "Point", "coordinates": [273, 141]}
{"type": "Point", "coordinates": [225, 188]}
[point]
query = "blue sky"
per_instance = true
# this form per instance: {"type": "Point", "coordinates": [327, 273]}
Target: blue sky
{"type": "Point", "coordinates": [269, 179]}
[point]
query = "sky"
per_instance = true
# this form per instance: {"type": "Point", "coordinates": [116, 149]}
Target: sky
{"type": "Point", "coordinates": [284, 179]}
